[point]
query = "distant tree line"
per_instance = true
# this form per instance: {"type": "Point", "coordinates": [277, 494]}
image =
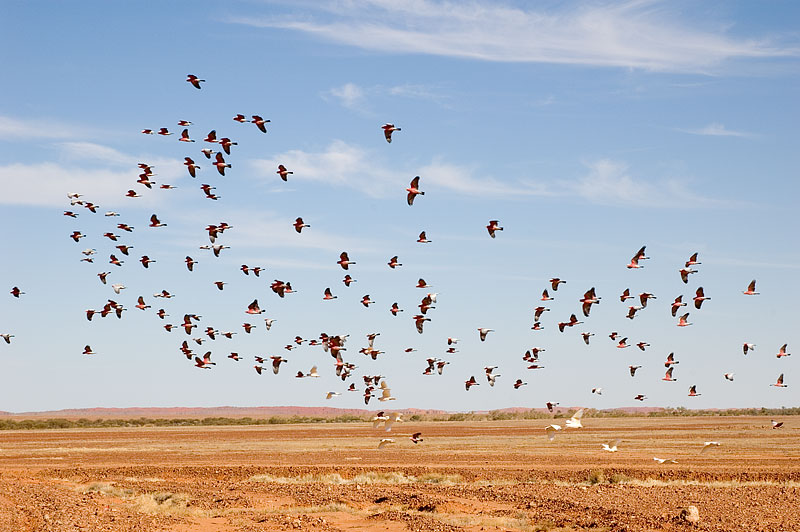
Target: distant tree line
{"type": "Point", "coordinates": [494, 415]}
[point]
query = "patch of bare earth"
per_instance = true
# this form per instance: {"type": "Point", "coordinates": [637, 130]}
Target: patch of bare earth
{"type": "Point", "coordinates": [464, 476]}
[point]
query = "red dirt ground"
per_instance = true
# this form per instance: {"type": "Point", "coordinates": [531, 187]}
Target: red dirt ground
{"type": "Point", "coordinates": [463, 476]}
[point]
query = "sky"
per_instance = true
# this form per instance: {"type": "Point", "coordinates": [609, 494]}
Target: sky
{"type": "Point", "coordinates": [587, 129]}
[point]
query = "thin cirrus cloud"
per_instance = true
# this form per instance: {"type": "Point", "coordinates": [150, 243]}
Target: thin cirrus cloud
{"type": "Point", "coordinates": [15, 129]}
{"type": "Point", "coordinates": [357, 98]}
{"type": "Point", "coordinates": [340, 164]}
{"type": "Point", "coordinates": [635, 34]}
{"type": "Point", "coordinates": [609, 182]}
{"type": "Point", "coordinates": [343, 164]}
{"type": "Point", "coordinates": [717, 130]}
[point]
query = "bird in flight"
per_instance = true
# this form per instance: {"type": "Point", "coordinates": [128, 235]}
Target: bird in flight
{"type": "Point", "coordinates": [781, 352]}
{"type": "Point", "coordinates": [751, 289]}
{"type": "Point", "coordinates": [611, 446]}
{"type": "Point", "coordinates": [283, 172]}
{"type": "Point", "coordinates": [634, 263]}
{"type": "Point", "coordinates": [779, 383]}
{"type": "Point", "coordinates": [494, 226]}
{"type": "Point", "coordinates": [388, 129]}
{"type": "Point", "coordinates": [413, 191]}
{"type": "Point", "coordinates": [195, 81]}
{"type": "Point", "coordinates": [708, 445]}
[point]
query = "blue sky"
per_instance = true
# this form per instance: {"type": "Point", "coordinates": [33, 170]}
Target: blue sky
{"type": "Point", "coordinates": [588, 130]}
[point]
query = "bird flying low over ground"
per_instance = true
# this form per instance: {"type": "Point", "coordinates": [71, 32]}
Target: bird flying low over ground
{"type": "Point", "coordinates": [611, 446]}
{"type": "Point", "coordinates": [708, 445]}
{"type": "Point", "coordinates": [665, 460]}
{"type": "Point", "coordinates": [574, 422]}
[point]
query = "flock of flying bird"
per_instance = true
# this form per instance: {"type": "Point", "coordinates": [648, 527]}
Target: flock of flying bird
{"type": "Point", "coordinates": [375, 386]}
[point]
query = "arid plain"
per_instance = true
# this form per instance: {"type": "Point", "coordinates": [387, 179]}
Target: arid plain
{"type": "Point", "coordinates": [492, 475]}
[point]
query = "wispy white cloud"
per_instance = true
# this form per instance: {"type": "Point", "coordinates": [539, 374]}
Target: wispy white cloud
{"type": "Point", "coordinates": [46, 184]}
{"type": "Point", "coordinates": [418, 92]}
{"type": "Point", "coordinates": [349, 95]}
{"type": "Point", "coordinates": [258, 231]}
{"type": "Point", "coordinates": [16, 129]}
{"type": "Point", "coordinates": [358, 98]}
{"type": "Point", "coordinates": [343, 164]}
{"type": "Point", "coordinates": [463, 180]}
{"type": "Point", "coordinates": [100, 173]}
{"type": "Point", "coordinates": [607, 182]}
{"type": "Point", "coordinates": [644, 34]}
{"type": "Point", "coordinates": [610, 182]}
{"type": "Point", "coordinates": [717, 130]}
{"type": "Point", "coordinates": [340, 164]}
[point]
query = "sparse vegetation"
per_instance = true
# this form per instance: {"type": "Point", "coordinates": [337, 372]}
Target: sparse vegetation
{"type": "Point", "coordinates": [494, 415]}
{"type": "Point", "coordinates": [106, 488]}
{"type": "Point", "coordinates": [151, 503]}
{"type": "Point", "coordinates": [597, 476]}
{"type": "Point", "coordinates": [163, 503]}
{"type": "Point", "coordinates": [369, 477]}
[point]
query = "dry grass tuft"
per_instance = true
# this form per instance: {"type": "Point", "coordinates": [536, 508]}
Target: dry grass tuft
{"type": "Point", "coordinates": [367, 478]}
{"type": "Point", "coordinates": [151, 503]}
{"type": "Point", "coordinates": [651, 482]}
{"type": "Point", "coordinates": [106, 488]}
{"type": "Point", "coordinates": [322, 509]}
{"type": "Point", "coordinates": [163, 503]}
{"type": "Point", "coordinates": [598, 476]}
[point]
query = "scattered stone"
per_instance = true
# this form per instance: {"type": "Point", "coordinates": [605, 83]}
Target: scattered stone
{"type": "Point", "coordinates": [690, 514]}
